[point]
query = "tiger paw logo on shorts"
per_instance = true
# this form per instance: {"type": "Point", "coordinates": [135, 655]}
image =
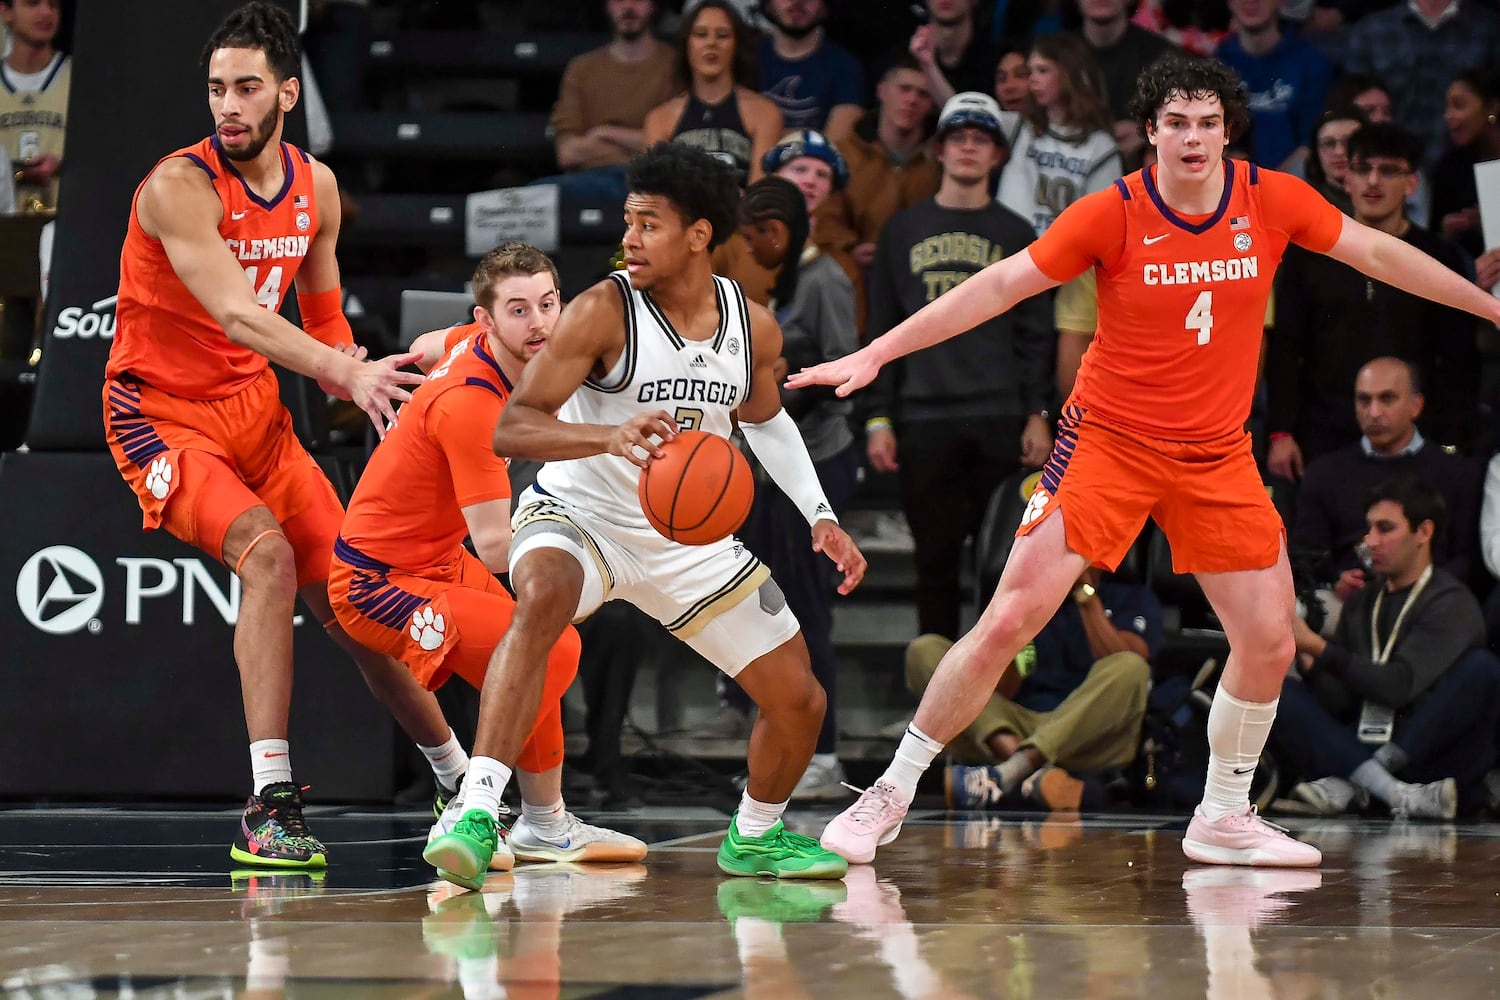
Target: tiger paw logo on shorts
{"type": "Point", "coordinates": [1035, 506]}
{"type": "Point", "coordinates": [159, 478]}
{"type": "Point", "coordinates": [427, 629]}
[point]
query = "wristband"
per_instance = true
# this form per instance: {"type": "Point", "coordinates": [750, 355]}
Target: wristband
{"type": "Point", "coordinates": [323, 317]}
{"type": "Point", "coordinates": [877, 424]}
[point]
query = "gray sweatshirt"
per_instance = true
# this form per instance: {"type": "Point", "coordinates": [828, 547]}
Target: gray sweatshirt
{"type": "Point", "coordinates": [817, 326]}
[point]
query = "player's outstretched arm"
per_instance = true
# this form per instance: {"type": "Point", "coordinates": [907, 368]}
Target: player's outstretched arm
{"type": "Point", "coordinates": [776, 441]}
{"type": "Point", "coordinates": [589, 334]}
{"type": "Point", "coordinates": [990, 292]}
{"type": "Point", "coordinates": [178, 206]}
{"type": "Point", "coordinates": [429, 348]}
{"type": "Point", "coordinates": [1398, 263]}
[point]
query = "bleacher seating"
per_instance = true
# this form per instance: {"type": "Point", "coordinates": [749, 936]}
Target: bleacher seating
{"type": "Point", "coordinates": [484, 53]}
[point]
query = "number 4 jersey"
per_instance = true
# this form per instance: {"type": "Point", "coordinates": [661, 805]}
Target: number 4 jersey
{"type": "Point", "coordinates": [163, 336]}
{"type": "Point", "coordinates": [1182, 298]}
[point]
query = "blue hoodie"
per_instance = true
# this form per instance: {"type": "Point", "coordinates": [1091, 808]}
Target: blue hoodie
{"type": "Point", "coordinates": [1287, 87]}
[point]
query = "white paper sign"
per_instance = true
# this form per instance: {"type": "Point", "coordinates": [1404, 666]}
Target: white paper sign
{"type": "Point", "coordinates": [1487, 180]}
{"type": "Point", "coordinates": [519, 213]}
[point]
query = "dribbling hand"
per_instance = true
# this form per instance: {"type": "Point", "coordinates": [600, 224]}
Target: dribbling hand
{"type": "Point", "coordinates": [847, 374]}
{"type": "Point", "coordinates": [632, 440]}
{"type": "Point", "coordinates": [375, 385]}
{"type": "Point", "coordinates": [835, 543]}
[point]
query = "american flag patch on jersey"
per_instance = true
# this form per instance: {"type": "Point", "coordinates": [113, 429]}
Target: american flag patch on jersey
{"type": "Point", "coordinates": [301, 202]}
{"type": "Point", "coordinates": [1240, 222]}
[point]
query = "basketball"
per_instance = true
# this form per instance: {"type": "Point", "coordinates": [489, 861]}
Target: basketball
{"type": "Point", "coordinates": [699, 491]}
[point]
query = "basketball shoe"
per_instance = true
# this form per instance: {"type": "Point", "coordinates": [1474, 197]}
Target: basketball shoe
{"type": "Point", "coordinates": [463, 854]}
{"type": "Point", "coordinates": [873, 821]}
{"type": "Point", "coordinates": [453, 809]}
{"type": "Point", "coordinates": [779, 853]}
{"type": "Point", "coordinates": [1243, 838]}
{"type": "Point", "coordinates": [273, 833]}
{"type": "Point", "coordinates": [577, 842]}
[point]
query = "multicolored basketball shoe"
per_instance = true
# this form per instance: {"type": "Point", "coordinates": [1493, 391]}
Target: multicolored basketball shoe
{"type": "Point", "coordinates": [779, 853]}
{"type": "Point", "coordinates": [273, 833]}
{"type": "Point", "coordinates": [462, 855]}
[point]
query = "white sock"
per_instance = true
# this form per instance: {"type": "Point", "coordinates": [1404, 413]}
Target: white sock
{"type": "Point", "coordinates": [449, 762]}
{"type": "Point", "coordinates": [484, 785]}
{"type": "Point", "coordinates": [547, 820]}
{"type": "Point", "coordinates": [915, 754]}
{"type": "Point", "coordinates": [1237, 732]}
{"type": "Point", "coordinates": [270, 762]}
{"type": "Point", "coordinates": [756, 817]}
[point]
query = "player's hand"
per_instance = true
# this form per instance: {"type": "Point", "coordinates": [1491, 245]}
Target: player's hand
{"type": "Point", "coordinates": [848, 374]}
{"type": "Point", "coordinates": [1348, 582]}
{"type": "Point", "coordinates": [880, 447]}
{"type": "Point", "coordinates": [640, 438]}
{"type": "Point", "coordinates": [375, 386]}
{"type": "Point", "coordinates": [1036, 441]}
{"type": "Point", "coordinates": [333, 388]}
{"type": "Point", "coordinates": [1284, 458]}
{"type": "Point", "coordinates": [1487, 269]}
{"type": "Point", "coordinates": [835, 543]}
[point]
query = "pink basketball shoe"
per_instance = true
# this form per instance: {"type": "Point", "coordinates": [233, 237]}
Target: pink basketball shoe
{"type": "Point", "coordinates": [873, 821]}
{"type": "Point", "coordinates": [1243, 838]}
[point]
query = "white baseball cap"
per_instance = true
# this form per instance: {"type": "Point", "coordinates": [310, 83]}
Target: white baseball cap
{"type": "Point", "coordinates": [971, 108]}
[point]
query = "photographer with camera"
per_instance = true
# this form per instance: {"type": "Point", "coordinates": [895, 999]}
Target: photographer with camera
{"type": "Point", "coordinates": [1402, 704]}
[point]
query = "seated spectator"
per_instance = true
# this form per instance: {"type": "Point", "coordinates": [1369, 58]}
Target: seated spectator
{"type": "Point", "coordinates": [1072, 701]}
{"type": "Point", "coordinates": [35, 77]}
{"type": "Point", "coordinates": [721, 112]}
{"type": "Point", "coordinates": [1286, 80]}
{"type": "Point", "coordinates": [605, 95]}
{"type": "Point", "coordinates": [1416, 47]}
{"type": "Point", "coordinates": [1473, 120]}
{"type": "Point", "coordinates": [816, 84]}
{"type": "Point", "coordinates": [1122, 50]}
{"type": "Point", "coordinates": [1195, 26]}
{"type": "Point", "coordinates": [1329, 161]}
{"type": "Point", "coordinates": [890, 164]}
{"type": "Point", "coordinates": [1012, 74]}
{"type": "Point", "coordinates": [954, 56]}
{"type": "Point", "coordinates": [1370, 97]}
{"type": "Point", "coordinates": [1331, 320]}
{"type": "Point", "coordinates": [1331, 509]}
{"type": "Point", "coordinates": [1402, 704]}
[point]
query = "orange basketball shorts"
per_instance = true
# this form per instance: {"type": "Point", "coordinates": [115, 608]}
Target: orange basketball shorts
{"type": "Point", "coordinates": [1206, 495]}
{"type": "Point", "coordinates": [197, 464]}
{"type": "Point", "coordinates": [442, 621]}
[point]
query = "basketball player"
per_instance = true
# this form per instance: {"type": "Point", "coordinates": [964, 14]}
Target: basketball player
{"type": "Point", "coordinates": [402, 583]}
{"type": "Point", "coordinates": [660, 346]}
{"type": "Point", "coordinates": [218, 233]}
{"type": "Point", "coordinates": [1184, 255]}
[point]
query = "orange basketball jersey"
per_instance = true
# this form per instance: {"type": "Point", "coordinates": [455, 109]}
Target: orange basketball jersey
{"type": "Point", "coordinates": [406, 512]}
{"type": "Point", "coordinates": [1182, 299]}
{"type": "Point", "coordinates": [163, 337]}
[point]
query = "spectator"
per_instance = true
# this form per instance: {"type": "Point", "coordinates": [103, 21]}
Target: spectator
{"type": "Point", "coordinates": [721, 112]}
{"type": "Point", "coordinates": [967, 413]}
{"type": "Point", "coordinates": [953, 55]}
{"type": "Point", "coordinates": [1415, 47]}
{"type": "Point", "coordinates": [7, 184]}
{"type": "Point", "coordinates": [1285, 77]}
{"type": "Point", "coordinates": [605, 95]}
{"type": "Point", "coordinates": [34, 82]}
{"type": "Point", "coordinates": [1122, 50]}
{"type": "Point", "coordinates": [337, 45]}
{"type": "Point", "coordinates": [1322, 17]}
{"type": "Point", "coordinates": [1332, 320]}
{"type": "Point", "coordinates": [1330, 513]}
{"type": "Point", "coordinates": [1473, 121]}
{"type": "Point", "coordinates": [1011, 75]}
{"type": "Point", "coordinates": [1326, 169]}
{"type": "Point", "coordinates": [816, 84]}
{"type": "Point", "coordinates": [890, 165]}
{"type": "Point", "coordinates": [1071, 703]}
{"type": "Point", "coordinates": [815, 166]}
{"type": "Point", "coordinates": [1195, 26]}
{"type": "Point", "coordinates": [814, 303]}
{"type": "Point", "coordinates": [1371, 98]}
{"type": "Point", "coordinates": [1402, 704]}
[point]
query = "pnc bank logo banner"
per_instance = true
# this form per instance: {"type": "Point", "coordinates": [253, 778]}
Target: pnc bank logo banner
{"type": "Point", "coordinates": [60, 590]}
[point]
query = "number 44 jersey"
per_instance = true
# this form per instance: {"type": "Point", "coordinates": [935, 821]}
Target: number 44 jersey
{"type": "Point", "coordinates": [699, 383]}
{"type": "Point", "coordinates": [163, 336]}
{"type": "Point", "coordinates": [1182, 298]}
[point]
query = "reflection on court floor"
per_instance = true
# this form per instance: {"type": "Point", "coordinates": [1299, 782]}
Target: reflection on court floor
{"type": "Point", "coordinates": [121, 903]}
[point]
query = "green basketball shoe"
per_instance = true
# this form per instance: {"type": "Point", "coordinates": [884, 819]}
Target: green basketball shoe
{"type": "Point", "coordinates": [778, 852]}
{"type": "Point", "coordinates": [462, 855]}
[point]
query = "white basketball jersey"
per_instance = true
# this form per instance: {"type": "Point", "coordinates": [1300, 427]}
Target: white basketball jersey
{"type": "Point", "coordinates": [698, 382]}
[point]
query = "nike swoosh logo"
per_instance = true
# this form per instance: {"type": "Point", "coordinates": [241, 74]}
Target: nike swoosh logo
{"type": "Point", "coordinates": [237, 216]}
{"type": "Point", "coordinates": [1243, 770]}
{"type": "Point", "coordinates": [270, 755]}
{"type": "Point", "coordinates": [1148, 240]}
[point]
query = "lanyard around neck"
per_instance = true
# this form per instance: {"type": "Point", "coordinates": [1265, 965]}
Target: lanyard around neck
{"type": "Point", "coordinates": [1377, 652]}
